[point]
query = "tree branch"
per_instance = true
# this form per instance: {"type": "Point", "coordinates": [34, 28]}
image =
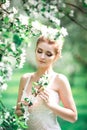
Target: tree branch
{"type": "Point", "coordinates": [80, 9]}
{"type": "Point", "coordinates": [5, 10]}
{"type": "Point", "coordinates": [81, 60]}
{"type": "Point", "coordinates": [71, 18]}
{"type": "Point", "coordinates": [58, 5]}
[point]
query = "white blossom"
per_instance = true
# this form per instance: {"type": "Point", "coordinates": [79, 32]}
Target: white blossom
{"type": "Point", "coordinates": [22, 58]}
{"type": "Point", "coordinates": [11, 17]}
{"type": "Point", "coordinates": [2, 66]}
{"type": "Point", "coordinates": [71, 13]}
{"type": "Point", "coordinates": [35, 14]}
{"type": "Point", "coordinates": [1, 78]}
{"type": "Point", "coordinates": [9, 74]}
{"type": "Point", "coordinates": [85, 1]}
{"type": "Point", "coordinates": [12, 14]}
{"type": "Point", "coordinates": [26, 113]}
{"type": "Point", "coordinates": [52, 32]}
{"type": "Point", "coordinates": [44, 30]}
{"type": "Point", "coordinates": [7, 115]}
{"type": "Point", "coordinates": [33, 2]}
{"type": "Point", "coordinates": [23, 19]}
{"type": "Point", "coordinates": [1, 120]}
{"type": "Point", "coordinates": [4, 87]}
{"type": "Point", "coordinates": [13, 47]}
{"type": "Point", "coordinates": [9, 59]}
{"type": "Point", "coordinates": [6, 4]}
{"type": "Point", "coordinates": [15, 11]}
{"type": "Point", "coordinates": [36, 25]}
{"type": "Point", "coordinates": [49, 32]}
{"type": "Point", "coordinates": [64, 31]}
{"type": "Point", "coordinates": [64, 5]}
{"type": "Point", "coordinates": [54, 19]}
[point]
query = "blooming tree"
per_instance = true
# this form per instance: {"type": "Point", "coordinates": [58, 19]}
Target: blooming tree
{"type": "Point", "coordinates": [17, 28]}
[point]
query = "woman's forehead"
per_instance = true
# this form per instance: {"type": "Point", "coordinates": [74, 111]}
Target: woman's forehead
{"type": "Point", "coordinates": [46, 46]}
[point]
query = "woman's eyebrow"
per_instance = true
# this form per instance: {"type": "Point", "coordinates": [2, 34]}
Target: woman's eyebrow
{"type": "Point", "coordinates": [49, 52]}
{"type": "Point", "coordinates": [39, 48]}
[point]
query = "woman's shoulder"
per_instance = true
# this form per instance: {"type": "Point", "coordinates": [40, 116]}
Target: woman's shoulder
{"type": "Point", "coordinates": [24, 78]}
{"type": "Point", "coordinates": [27, 75]}
{"type": "Point", "coordinates": [62, 78]}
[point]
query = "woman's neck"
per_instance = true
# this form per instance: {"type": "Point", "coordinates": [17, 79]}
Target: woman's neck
{"type": "Point", "coordinates": [42, 71]}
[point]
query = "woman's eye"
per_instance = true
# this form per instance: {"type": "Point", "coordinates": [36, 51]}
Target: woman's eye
{"type": "Point", "coordinates": [49, 54]}
{"type": "Point", "coordinates": [39, 51]}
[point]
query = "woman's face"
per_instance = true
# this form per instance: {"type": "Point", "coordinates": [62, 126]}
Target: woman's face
{"type": "Point", "coordinates": [45, 54]}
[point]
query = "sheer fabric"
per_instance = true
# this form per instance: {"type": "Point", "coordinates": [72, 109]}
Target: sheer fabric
{"type": "Point", "coordinates": [41, 117]}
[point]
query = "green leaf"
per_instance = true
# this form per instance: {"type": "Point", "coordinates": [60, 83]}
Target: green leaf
{"type": "Point", "coordinates": [34, 90]}
{"type": "Point", "coordinates": [23, 125]}
{"type": "Point", "coordinates": [17, 40]}
{"type": "Point", "coordinates": [6, 34]}
{"type": "Point", "coordinates": [84, 3]}
{"type": "Point", "coordinates": [6, 19]}
{"type": "Point", "coordinates": [43, 0]}
{"type": "Point", "coordinates": [43, 9]}
{"type": "Point", "coordinates": [26, 99]}
{"type": "Point", "coordinates": [2, 1]}
{"type": "Point", "coordinates": [35, 83]}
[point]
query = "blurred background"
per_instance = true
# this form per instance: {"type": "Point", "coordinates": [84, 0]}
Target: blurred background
{"type": "Point", "coordinates": [73, 63]}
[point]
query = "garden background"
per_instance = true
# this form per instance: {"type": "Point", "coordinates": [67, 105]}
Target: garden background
{"type": "Point", "coordinates": [73, 63]}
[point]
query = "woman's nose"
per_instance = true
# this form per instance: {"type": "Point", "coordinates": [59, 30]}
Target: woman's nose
{"type": "Point", "coordinates": [42, 55]}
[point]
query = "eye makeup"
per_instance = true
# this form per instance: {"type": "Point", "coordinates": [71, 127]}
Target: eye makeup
{"type": "Point", "coordinates": [48, 53]}
{"type": "Point", "coordinates": [39, 50]}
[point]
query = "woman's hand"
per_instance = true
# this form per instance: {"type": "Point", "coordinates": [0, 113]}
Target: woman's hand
{"type": "Point", "coordinates": [47, 97]}
{"type": "Point", "coordinates": [24, 103]}
{"type": "Point", "coordinates": [19, 109]}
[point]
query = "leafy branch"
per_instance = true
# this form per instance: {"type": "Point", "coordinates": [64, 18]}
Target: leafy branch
{"type": "Point", "coordinates": [37, 88]}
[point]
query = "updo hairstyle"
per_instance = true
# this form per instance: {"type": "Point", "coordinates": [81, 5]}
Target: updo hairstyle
{"type": "Point", "coordinates": [58, 44]}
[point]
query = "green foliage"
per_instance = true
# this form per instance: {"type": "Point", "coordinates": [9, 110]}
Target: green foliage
{"type": "Point", "coordinates": [79, 94]}
{"type": "Point", "coordinates": [15, 32]}
{"type": "Point", "coordinates": [2, 1]}
{"type": "Point", "coordinates": [9, 120]}
{"type": "Point", "coordinates": [17, 40]}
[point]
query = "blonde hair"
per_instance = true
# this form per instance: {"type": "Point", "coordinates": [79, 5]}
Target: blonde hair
{"type": "Point", "coordinates": [58, 44]}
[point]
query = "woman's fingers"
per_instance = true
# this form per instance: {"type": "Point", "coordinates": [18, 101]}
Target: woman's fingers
{"type": "Point", "coordinates": [43, 98]}
{"type": "Point", "coordinates": [23, 103]}
{"type": "Point", "coordinates": [44, 95]}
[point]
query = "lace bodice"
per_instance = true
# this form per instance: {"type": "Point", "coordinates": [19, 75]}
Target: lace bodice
{"type": "Point", "coordinates": [41, 117]}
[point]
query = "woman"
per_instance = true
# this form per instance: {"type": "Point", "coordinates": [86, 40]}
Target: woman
{"type": "Point", "coordinates": [45, 109]}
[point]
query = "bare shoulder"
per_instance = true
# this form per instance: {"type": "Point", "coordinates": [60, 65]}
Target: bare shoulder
{"type": "Point", "coordinates": [24, 79]}
{"type": "Point", "coordinates": [26, 76]}
{"type": "Point", "coordinates": [61, 77]}
{"type": "Point", "coordinates": [62, 80]}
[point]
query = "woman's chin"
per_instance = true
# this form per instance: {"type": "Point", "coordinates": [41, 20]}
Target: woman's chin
{"type": "Point", "coordinates": [42, 65]}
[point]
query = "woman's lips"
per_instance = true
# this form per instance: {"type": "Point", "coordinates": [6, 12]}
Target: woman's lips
{"type": "Point", "coordinates": [42, 61]}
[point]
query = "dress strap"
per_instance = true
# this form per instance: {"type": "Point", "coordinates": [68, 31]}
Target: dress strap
{"type": "Point", "coordinates": [27, 82]}
{"type": "Point", "coordinates": [51, 81]}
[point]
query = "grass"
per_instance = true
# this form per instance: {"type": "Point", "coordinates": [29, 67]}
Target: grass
{"type": "Point", "coordinates": [9, 97]}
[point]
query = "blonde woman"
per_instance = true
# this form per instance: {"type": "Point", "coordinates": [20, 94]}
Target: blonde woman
{"type": "Point", "coordinates": [44, 111]}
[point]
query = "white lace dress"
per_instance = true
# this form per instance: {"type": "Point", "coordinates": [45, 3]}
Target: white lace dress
{"type": "Point", "coordinates": [41, 117]}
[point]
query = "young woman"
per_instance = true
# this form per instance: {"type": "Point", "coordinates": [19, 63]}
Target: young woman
{"type": "Point", "coordinates": [44, 111]}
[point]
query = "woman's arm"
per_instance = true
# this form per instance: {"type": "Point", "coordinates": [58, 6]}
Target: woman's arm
{"type": "Point", "coordinates": [68, 110]}
{"type": "Point", "coordinates": [20, 91]}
